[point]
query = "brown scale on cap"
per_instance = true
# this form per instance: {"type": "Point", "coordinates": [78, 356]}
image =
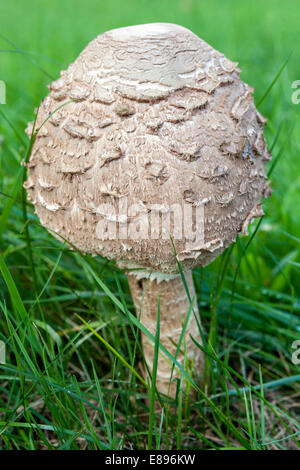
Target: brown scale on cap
{"type": "Point", "coordinates": [159, 118]}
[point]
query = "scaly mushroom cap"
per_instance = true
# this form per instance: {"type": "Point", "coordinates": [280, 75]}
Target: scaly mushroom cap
{"type": "Point", "coordinates": [159, 119]}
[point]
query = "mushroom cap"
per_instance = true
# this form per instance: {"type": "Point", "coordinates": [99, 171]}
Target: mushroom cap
{"type": "Point", "coordinates": [161, 139]}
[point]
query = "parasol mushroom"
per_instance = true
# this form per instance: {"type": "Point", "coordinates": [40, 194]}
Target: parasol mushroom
{"type": "Point", "coordinates": [161, 140]}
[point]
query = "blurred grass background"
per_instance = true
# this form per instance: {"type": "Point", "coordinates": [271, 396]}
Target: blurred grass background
{"type": "Point", "coordinates": [249, 300]}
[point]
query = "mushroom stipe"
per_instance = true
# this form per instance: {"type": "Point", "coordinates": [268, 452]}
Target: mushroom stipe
{"type": "Point", "coordinates": [161, 140]}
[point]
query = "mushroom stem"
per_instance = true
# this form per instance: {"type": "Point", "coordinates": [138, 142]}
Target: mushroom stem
{"type": "Point", "coordinates": [174, 307]}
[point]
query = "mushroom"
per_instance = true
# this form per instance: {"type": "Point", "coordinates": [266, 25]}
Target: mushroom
{"type": "Point", "coordinates": [162, 143]}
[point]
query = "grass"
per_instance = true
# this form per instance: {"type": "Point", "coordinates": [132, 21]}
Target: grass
{"type": "Point", "coordinates": [72, 378]}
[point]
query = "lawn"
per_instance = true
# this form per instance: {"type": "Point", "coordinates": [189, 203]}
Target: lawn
{"type": "Point", "coordinates": [71, 379]}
